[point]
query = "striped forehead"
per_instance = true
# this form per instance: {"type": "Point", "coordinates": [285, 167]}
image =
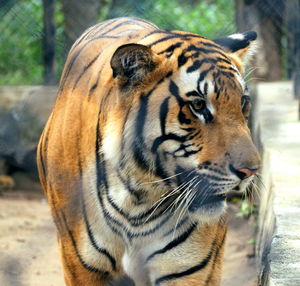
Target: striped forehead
{"type": "Point", "coordinates": [192, 81]}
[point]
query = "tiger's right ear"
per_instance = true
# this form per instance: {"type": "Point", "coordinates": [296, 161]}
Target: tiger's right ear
{"type": "Point", "coordinates": [131, 63]}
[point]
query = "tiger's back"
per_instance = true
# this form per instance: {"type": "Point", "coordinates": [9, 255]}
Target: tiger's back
{"type": "Point", "coordinates": [139, 152]}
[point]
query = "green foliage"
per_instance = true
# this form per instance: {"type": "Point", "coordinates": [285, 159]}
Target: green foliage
{"type": "Point", "coordinates": [21, 43]}
{"type": "Point", "coordinates": [208, 18]}
{"type": "Point", "coordinates": [246, 209]}
{"type": "Point", "coordinates": [21, 29]}
{"type": "Point", "coordinates": [20, 53]}
{"type": "Point", "coordinates": [252, 240]}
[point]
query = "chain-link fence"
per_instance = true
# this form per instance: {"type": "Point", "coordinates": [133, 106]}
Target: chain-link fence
{"type": "Point", "coordinates": [22, 30]}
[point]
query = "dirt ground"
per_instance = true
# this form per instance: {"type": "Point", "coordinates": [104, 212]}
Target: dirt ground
{"type": "Point", "coordinates": [29, 256]}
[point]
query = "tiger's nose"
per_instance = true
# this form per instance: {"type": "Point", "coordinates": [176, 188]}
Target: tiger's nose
{"type": "Point", "coordinates": [244, 173]}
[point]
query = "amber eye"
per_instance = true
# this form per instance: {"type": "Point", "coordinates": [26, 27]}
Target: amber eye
{"type": "Point", "coordinates": [198, 104]}
{"type": "Point", "coordinates": [246, 105]}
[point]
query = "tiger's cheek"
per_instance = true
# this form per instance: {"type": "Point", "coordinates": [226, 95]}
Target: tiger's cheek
{"type": "Point", "coordinates": [112, 141]}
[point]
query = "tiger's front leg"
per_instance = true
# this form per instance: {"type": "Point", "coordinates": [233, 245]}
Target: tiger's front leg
{"type": "Point", "coordinates": [195, 262]}
{"type": "Point", "coordinates": [77, 270]}
{"type": "Point", "coordinates": [88, 259]}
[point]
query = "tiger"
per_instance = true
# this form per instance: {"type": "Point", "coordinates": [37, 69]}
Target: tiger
{"type": "Point", "coordinates": [147, 137]}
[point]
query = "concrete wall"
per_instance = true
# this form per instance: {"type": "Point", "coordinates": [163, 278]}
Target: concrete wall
{"type": "Point", "coordinates": [278, 245]}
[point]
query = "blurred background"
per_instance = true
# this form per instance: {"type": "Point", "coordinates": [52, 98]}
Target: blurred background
{"type": "Point", "coordinates": [35, 36]}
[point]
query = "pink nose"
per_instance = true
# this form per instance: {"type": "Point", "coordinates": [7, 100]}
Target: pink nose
{"type": "Point", "coordinates": [246, 173]}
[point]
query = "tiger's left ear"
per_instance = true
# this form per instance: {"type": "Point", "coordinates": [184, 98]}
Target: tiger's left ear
{"type": "Point", "coordinates": [239, 46]}
{"type": "Point", "coordinates": [131, 63]}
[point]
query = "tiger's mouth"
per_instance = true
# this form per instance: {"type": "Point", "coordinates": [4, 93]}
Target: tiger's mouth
{"type": "Point", "coordinates": [203, 192]}
{"type": "Point", "coordinates": [212, 201]}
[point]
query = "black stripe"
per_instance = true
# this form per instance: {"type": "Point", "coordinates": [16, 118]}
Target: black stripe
{"type": "Point", "coordinates": [95, 85]}
{"type": "Point", "coordinates": [189, 35]}
{"type": "Point", "coordinates": [215, 259]}
{"type": "Point", "coordinates": [174, 90]}
{"type": "Point", "coordinates": [127, 22]}
{"type": "Point", "coordinates": [180, 239]}
{"type": "Point", "coordinates": [83, 37]}
{"type": "Point", "coordinates": [83, 263]}
{"type": "Point", "coordinates": [138, 194]}
{"type": "Point", "coordinates": [152, 230]}
{"type": "Point", "coordinates": [139, 219]}
{"type": "Point", "coordinates": [171, 49]}
{"type": "Point", "coordinates": [211, 44]}
{"type": "Point", "coordinates": [93, 241]}
{"type": "Point", "coordinates": [130, 235]}
{"type": "Point", "coordinates": [158, 31]}
{"type": "Point", "coordinates": [227, 74]}
{"type": "Point", "coordinates": [109, 219]}
{"type": "Point", "coordinates": [182, 59]}
{"type": "Point", "coordinates": [102, 26]}
{"type": "Point", "coordinates": [91, 237]}
{"type": "Point", "coordinates": [164, 108]}
{"type": "Point", "coordinates": [85, 68]}
{"type": "Point", "coordinates": [202, 76]}
{"type": "Point", "coordinates": [70, 267]}
{"type": "Point", "coordinates": [122, 162]}
{"type": "Point", "coordinates": [102, 180]}
{"type": "Point", "coordinates": [139, 145]}
{"type": "Point", "coordinates": [40, 156]}
{"type": "Point", "coordinates": [189, 153]}
{"type": "Point", "coordinates": [76, 55]}
{"type": "Point", "coordinates": [196, 65]}
{"type": "Point", "coordinates": [161, 40]}
{"type": "Point", "coordinates": [46, 141]}
{"type": "Point", "coordinates": [170, 136]}
{"type": "Point", "coordinates": [227, 68]}
{"type": "Point", "coordinates": [189, 271]}
{"type": "Point", "coordinates": [105, 25]}
{"type": "Point", "coordinates": [173, 229]}
{"type": "Point", "coordinates": [56, 217]}
{"type": "Point", "coordinates": [102, 37]}
{"type": "Point", "coordinates": [160, 171]}
{"type": "Point", "coordinates": [175, 34]}
{"type": "Point", "coordinates": [206, 51]}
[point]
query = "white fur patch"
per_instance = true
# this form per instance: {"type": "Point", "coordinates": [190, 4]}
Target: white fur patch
{"type": "Point", "coordinates": [210, 90]}
{"type": "Point", "coordinates": [209, 84]}
{"type": "Point", "coordinates": [240, 80]}
{"type": "Point", "coordinates": [111, 143]}
{"type": "Point", "coordinates": [188, 81]}
{"type": "Point", "coordinates": [237, 36]}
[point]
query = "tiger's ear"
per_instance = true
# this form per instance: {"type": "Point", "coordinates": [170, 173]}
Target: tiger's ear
{"type": "Point", "coordinates": [131, 63]}
{"type": "Point", "coordinates": [239, 46]}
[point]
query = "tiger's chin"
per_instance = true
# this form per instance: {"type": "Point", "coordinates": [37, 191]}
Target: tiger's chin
{"type": "Point", "coordinates": [209, 211]}
{"type": "Point", "coordinates": [243, 185]}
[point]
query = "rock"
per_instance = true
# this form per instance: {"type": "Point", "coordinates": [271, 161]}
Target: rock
{"type": "Point", "coordinates": [9, 133]}
{"type": "Point", "coordinates": [24, 112]}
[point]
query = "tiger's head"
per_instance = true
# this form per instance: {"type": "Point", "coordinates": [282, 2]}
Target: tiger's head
{"type": "Point", "coordinates": [177, 127]}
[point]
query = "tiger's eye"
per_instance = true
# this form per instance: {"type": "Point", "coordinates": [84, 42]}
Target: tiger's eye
{"type": "Point", "coordinates": [198, 104]}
